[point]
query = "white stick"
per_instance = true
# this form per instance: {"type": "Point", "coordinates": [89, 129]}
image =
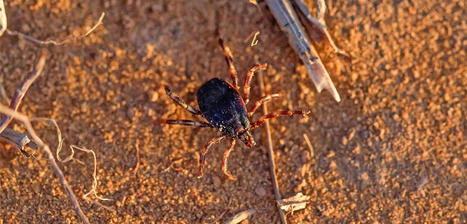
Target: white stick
{"type": "Point", "coordinates": [50, 157]}
{"type": "Point", "coordinates": [239, 217]}
{"type": "Point", "coordinates": [57, 42]}
{"type": "Point", "coordinates": [3, 22]}
{"type": "Point", "coordinates": [285, 15]}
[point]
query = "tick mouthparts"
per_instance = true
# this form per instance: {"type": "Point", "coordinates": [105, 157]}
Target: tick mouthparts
{"type": "Point", "coordinates": [247, 138]}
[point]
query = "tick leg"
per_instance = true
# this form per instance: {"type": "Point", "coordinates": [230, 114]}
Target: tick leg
{"type": "Point", "coordinates": [248, 77]}
{"type": "Point", "coordinates": [186, 123]}
{"type": "Point", "coordinates": [202, 156]}
{"type": "Point", "coordinates": [224, 160]}
{"type": "Point", "coordinates": [180, 102]}
{"type": "Point", "coordinates": [276, 114]}
{"type": "Point", "coordinates": [229, 60]}
{"type": "Point", "coordinates": [258, 103]}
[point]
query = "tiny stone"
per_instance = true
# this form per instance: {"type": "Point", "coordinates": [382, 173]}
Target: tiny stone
{"type": "Point", "coordinates": [153, 96]}
{"type": "Point", "coordinates": [344, 140]}
{"type": "Point", "coordinates": [260, 191]}
{"type": "Point", "coordinates": [333, 165]}
{"type": "Point", "coordinates": [352, 134]}
{"type": "Point", "coordinates": [130, 113]}
{"type": "Point", "coordinates": [364, 176]}
{"type": "Point", "coordinates": [354, 76]}
{"type": "Point", "coordinates": [356, 150]}
{"type": "Point", "coordinates": [216, 181]}
{"type": "Point", "coordinates": [365, 134]}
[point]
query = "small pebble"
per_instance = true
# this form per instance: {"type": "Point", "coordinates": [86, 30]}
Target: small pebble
{"type": "Point", "coordinates": [153, 96]}
{"type": "Point", "coordinates": [260, 191]}
{"type": "Point", "coordinates": [216, 181]}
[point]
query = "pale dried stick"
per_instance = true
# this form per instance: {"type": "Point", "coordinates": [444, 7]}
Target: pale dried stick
{"type": "Point", "coordinates": [15, 138]}
{"type": "Point", "coordinates": [60, 141]}
{"type": "Point", "coordinates": [94, 182]}
{"type": "Point", "coordinates": [294, 203]}
{"type": "Point", "coordinates": [271, 152]}
{"type": "Point", "coordinates": [71, 157]}
{"type": "Point", "coordinates": [22, 89]}
{"type": "Point", "coordinates": [27, 123]}
{"type": "Point", "coordinates": [135, 171]}
{"type": "Point", "coordinates": [3, 21]}
{"type": "Point", "coordinates": [239, 217]}
{"type": "Point", "coordinates": [320, 22]}
{"type": "Point", "coordinates": [310, 146]}
{"type": "Point", "coordinates": [3, 97]}
{"type": "Point", "coordinates": [172, 165]}
{"type": "Point", "coordinates": [287, 18]}
{"type": "Point", "coordinates": [56, 42]}
{"type": "Point", "coordinates": [254, 42]}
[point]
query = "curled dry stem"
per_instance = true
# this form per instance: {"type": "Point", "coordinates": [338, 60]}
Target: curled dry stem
{"type": "Point", "coordinates": [71, 158]}
{"type": "Point", "coordinates": [22, 89]}
{"type": "Point", "coordinates": [272, 163]}
{"type": "Point", "coordinates": [56, 42]}
{"type": "Point", "coordinates": [27, 123]}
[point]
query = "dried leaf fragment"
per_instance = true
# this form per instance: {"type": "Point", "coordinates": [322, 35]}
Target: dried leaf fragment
{"type": "Point", "coordinates": [294, 203]}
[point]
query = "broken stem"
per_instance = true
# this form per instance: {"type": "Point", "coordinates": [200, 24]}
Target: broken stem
{"type": "Point", "coordinates": [56, 42]}
{"type": "Point", "coordinates": [271, 152]}
{"type": "Point", "coordinates": [25, 120]}
{"type": "Point", "coordinates": [22, 89]}
{"type": "Point", "coordinates": [3, 21]}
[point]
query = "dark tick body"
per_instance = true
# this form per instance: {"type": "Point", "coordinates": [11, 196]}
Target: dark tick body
{"type": "Point", "coordinates": [224, 109]}
{"type": "Point", "coordinates": [222, 106]}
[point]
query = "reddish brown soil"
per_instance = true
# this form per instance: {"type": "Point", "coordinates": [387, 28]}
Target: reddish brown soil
{"type": "Point", "coordinates": [393, 151]}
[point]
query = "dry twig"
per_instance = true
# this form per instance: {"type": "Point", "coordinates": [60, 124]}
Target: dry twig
{"type": "Point", "coordinates": [135, 171]}
{"type": "Point", "coordinates": [3, 21]}
{"type": "Point", "coordinates": [20, 140]}
{"type": "Point", "coordinates": [56, 42]}
{"type": "Point", "coordinates": [310, 146]}
{"type": "Point", "coordinates": [27, 123]}
{"type": "Point", "coordinates": [3, 97]}
{"type": "Point", "coordinates": [15, 138]}
{"type": "Point", "coordinates": [173, 164]}
{"type": "Point", "coordinates": [320, 22]}
{"type": "Point", "coordinates": [22, 89]}
{"type": "Point", "coordinates": [254, 42]}
{"type": "Point", "coordinates": [11, 113]}
{"type": "Point", "coordinates": [237, 218]}
{"type": "Point", "coordinates": [71, 157]}
{"type": "Point", "coordinates": [294, 203]}
{"type": "Point", "coordinates": [288, 20]}
{"type": "Point", "coordinates": [94, 182]}
{"type": "Point", "coordinates": [270, 150]}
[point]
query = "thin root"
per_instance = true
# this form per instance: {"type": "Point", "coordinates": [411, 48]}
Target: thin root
{"type": "Point", "coordinates": [56, 42]}
{"type": "Point", "coordinates": [71, 158]}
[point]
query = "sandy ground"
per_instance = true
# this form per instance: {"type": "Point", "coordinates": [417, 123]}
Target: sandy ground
{"type": "Point", "coordinates": [393, 151]}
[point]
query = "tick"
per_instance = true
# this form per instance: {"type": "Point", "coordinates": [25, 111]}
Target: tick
{"type": "Point", "coordinates": [221, 105]}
